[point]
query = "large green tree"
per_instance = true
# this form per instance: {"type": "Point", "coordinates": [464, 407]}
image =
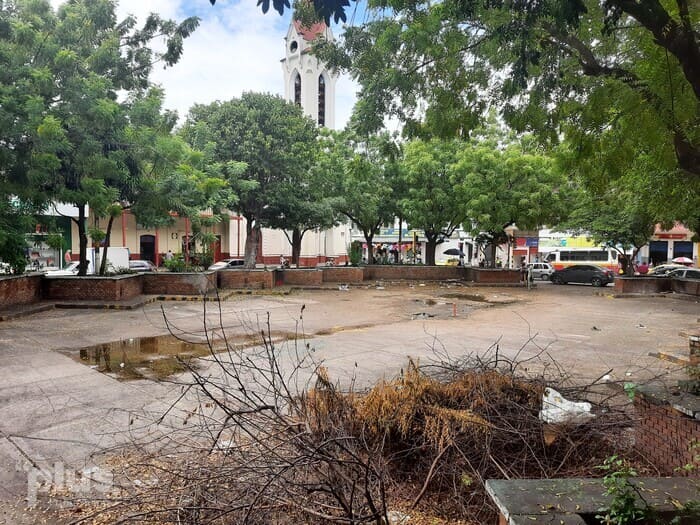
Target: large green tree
{"type": "Point", "coordinates": [619, 219]}
{"type": "Point", "coordinates": [309, 202]}
{"type": "Point", "coordinates": [433, 201]}
{"type": "Point", "coordinates": [65, 70]}
{"type": "Point", "coordinates": [505, 186]}
{"type": "Point", "coordinates": [618, 79]}
{"type": "Point", "coordinates": [275, 141]}
{"type": "Point", "coordinates": [363, 183]}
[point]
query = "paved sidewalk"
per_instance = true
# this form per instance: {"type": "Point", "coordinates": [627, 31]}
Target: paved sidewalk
{"type": "Point", "coordinates": [53, 408]}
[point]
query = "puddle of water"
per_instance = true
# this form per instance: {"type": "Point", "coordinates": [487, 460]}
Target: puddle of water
{"type": "Point", "coordinates": [138, 358]}
{"type": "Point", "coordinates": [157, 357]}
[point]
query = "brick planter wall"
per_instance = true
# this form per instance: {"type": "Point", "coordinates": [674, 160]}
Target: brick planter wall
{"type": "Point", "coordinates": [664, 435]}
{"type": "Point", "coordinates": [413, 273]}
{"type": "Point", "coordinates": [302, 277]}
{"type": "Point", "coordinates": [343, 274]}
{"type": "Point", "coordinates": [236, 279]}
{"type": "Point", "coordinates": [687, 286]}
{"type": "Point", "coordinates": [642, 285]}
{"type": "Point", "coordinates": [167, 283]}
{"type": "Point", "coordinates": [492, 275]}
{"type": "Point", "coordinates": [92, 288]}
{"type": "Point", "coordinates": [20, 289]}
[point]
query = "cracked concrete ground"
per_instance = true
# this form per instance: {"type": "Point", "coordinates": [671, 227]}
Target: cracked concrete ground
{"type": "Point", "coordinates": [55, 409]}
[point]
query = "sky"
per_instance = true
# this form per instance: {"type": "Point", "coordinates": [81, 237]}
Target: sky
{"type": "Point", "coordinates": [236, 48]}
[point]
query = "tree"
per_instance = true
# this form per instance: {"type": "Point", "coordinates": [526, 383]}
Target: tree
{"type": "Point", "coordinates": [274, 140]}
{"type": "Point", "coordinates": [365, 190]}
{"type": "Point", "coordinates": [618, 220]}
{"type": "Point", "coordinates": [433, 202]}
{"type": "Point", "coordinates": [589, 71]}
{"type": "Point", "coordinates": [70, 141]}
{"type": "Point", "coordinates": [508, 186]}
{"type": "Point", "coordinates": [309, 202]}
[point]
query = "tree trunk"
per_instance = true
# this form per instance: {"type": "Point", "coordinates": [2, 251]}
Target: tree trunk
{"type": "Point", "coordinates": [430, 245]}
{"type": "Point", "coordinates": [83, 241]}
{"type": "Point", "coordinates": [370, 248]}
{"type": "Point", "coordinates": [398, 251]}
{"type": "Point", "coordinates": [108, 233]}
{"type": "Point", "coordinates": [492, 262]}
{"type": "Point", "coordinates": [297, 236]}
{"type": "Point", "coordinates": [251, 243]}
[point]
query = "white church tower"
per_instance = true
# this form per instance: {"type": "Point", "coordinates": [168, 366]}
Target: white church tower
{"type": "Point", "coordinates": [307, 81]}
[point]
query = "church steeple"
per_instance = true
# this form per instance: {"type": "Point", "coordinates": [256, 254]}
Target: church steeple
{"type": "Point", "coordinates": [307, 81]}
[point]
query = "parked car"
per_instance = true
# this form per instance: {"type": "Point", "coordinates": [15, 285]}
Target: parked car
{"type": "Point", "coordinates": [138, 265]}
{"type": "Point", "coordinates": [71, 269]}
{"type": "Point", "coordinates": [227, 264]}
{"type": "Point", "coordinates": [684, 273]}
{"type": "Point", "coordinates": [663, 269]}
{"type": "Point", "coordinates": [540, 270]}
{"type": "Point", "coordinates": [583, 273]}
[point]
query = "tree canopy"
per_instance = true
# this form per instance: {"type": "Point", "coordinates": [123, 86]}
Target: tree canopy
{"type": "Point", "coordinates": [66, 133]}
{"type": "Point", "coordinates": [617, 80]}
{"type": "Point", "coordinates": [434, 201]}
{"type": "Point", "coordinates": [274, 140]}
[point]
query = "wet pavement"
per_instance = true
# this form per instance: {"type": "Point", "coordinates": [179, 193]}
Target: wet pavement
{"type": "Point", "coordinates": [57, 407]}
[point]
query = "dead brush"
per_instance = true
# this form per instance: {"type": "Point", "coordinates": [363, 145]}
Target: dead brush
{"type": "Point", "coordinates": [269, 438]}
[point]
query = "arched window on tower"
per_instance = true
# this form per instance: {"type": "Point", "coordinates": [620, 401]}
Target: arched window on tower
{"type": "Point", "coordinates": [321, 101]}
{"type": "Point", "coordinates": [297, 89]}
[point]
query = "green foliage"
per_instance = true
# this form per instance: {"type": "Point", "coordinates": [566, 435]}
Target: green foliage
{"type": "Point", "coordinates": [362, 170]}
{"type": "Point", "coordinates": [433, 201]}
{"type": "Point", "coordinates": [97, 235]}
{"type": "Point", "coordinates": [15, 220]}
{"type": "Point", "coordinates": [67, 135]}
{"type": "Point", "coordinates": [266, 147]}
{"type": "Point", "coordinates": [355, 251]}
{"type": "Point", "coordinates": [618, 81]}
{"type": "Point", "coordinates": [56, 241]}
{"type": "Point", "coordinates": [176, 264]}
{"type": "Point", "coordinates": [505, 183]}
{"type": "Point", "coordinates": [625, 505]}
{"type": "Point", "coordinates": [619, 218]}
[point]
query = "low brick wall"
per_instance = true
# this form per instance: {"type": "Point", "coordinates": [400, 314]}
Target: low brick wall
{"type": "Point", "coordinates": [643, 285]}
{"type": "Point", "coordinates": [664, 435]}
{"type": "Point", "coordinates": [687, 286]}
{"type": "Point", "coordinates": [237, 279]}
{"type": "Point", "coordinates": [167, 283]}
{"type": "Point", "coordinates": [413, 273]}
{"type": "Point", "coordinates": [302, 277]}
{"type": "Point", "coordinates": [492, 275]}
{"type": "Point", "coordinates": [88, 288]}
{"type": "Point", "coordinates": [343, 274]}
{"type": "Point", "coordinates": [19, 289]}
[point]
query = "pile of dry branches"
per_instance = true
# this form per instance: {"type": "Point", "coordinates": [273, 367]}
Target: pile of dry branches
{"type": "Point", "coordinates": [263, 435]}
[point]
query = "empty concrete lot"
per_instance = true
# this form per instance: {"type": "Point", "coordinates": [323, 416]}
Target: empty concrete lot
{"type": "Point", "coordinates": [53, 408]}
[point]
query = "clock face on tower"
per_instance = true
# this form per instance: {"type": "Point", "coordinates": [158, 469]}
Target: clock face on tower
{"type": "Point", "coordinates": [293, 46]}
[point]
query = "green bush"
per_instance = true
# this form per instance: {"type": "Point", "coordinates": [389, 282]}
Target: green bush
{"type": "Point", "coordinates": [355, 253]}
{"type": "Point", "coordinates": [176, 264]}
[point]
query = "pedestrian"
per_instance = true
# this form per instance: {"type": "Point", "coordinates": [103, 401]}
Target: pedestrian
{"type": "Point", "coordinates": [169, 255]}
{"type": "Point", "coordinates": [67, 257]}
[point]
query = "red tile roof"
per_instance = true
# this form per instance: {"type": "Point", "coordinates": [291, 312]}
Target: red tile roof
{"type": "Point", "coordinates": [309, 33]}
